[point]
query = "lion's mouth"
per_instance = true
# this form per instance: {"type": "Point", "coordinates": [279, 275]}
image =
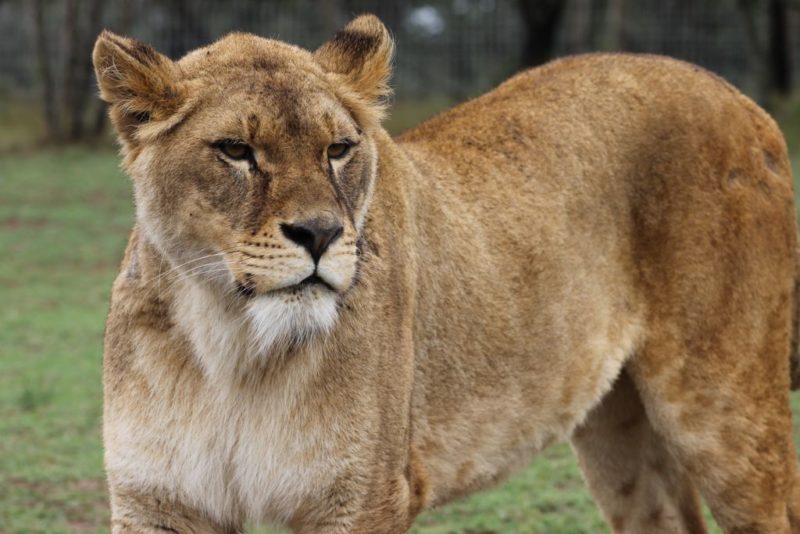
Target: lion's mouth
{"type": "Point", "coordinates": [313, 280]}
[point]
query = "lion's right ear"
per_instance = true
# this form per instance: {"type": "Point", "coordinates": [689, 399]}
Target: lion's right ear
{"type": "Point", "coordinates": [141, 86]}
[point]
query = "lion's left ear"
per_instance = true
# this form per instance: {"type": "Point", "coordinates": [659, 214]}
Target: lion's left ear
{"type": "Point", "coordinates": [359, 57]}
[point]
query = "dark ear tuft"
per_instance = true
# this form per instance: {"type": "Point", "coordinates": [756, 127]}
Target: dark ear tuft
{"type": "Point", "coordinates": [359, 57]}
{"type": "Point", "coordinates": [140, 84]}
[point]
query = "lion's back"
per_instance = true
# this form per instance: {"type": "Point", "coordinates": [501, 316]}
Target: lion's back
{"type": "Point", "coordinates": [607, 90]}
{"type": "Point", "coordinates": [604, 144]}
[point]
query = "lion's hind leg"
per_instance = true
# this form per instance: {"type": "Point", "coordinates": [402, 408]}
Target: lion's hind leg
{"type": "Point", "coordinates": [634, 480]}
{"type": "Point", "coordinates": [725, 415]}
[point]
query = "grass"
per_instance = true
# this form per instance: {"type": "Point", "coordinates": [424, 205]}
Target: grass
{"type": "Point", "coordinates": [64, 217]}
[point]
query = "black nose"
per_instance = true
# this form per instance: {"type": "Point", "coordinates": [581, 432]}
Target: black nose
{"type": "Point", "coordinates": [315, 235]}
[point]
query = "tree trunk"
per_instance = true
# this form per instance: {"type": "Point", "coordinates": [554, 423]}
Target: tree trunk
{"type": "Point", "coordinates": [615, 25]}
{"type": "Point", "coordinates": [780, 60]}
{"type": "Point", "coordinates": [580, 27]}
{"type": "Point", "coordinates": [123, 26]}
{"type": "Point", "coordinates": [72, 47]}
{"type": "Point", "coordinates": [83, 87]}
{"type": "Point", "coordinates": [45, 71]}
{"type": "Point", "coordinates": [542, 19]}
{"type": "Point", "coordinates": [755, 49]}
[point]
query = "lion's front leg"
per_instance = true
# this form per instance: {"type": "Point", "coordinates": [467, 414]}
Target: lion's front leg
{"type": "Point", "coordinates": [134, 513]}
{"type": "Point", "coordinates": [375, 521]}
{"type": "Point", "coordinates": [361, 504]}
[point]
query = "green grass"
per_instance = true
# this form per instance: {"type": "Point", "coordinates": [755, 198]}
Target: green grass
{"type": "Point", "coordinates": [64, 217]}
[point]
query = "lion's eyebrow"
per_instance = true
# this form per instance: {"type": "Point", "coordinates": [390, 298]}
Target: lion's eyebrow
{"type": "Point", "coordinates": [330, 123]}
{"type": "Point", "coordinates": [252, 125]}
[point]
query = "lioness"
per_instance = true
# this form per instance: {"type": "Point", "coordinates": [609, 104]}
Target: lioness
{"type": "Point", "coordinates": [321, 326]}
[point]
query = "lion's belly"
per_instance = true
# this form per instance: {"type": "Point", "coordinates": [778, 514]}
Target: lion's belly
{"type": "Point", "coordinates": [490, 431]}
{"type": "Point", "coordinates": [231, 456]}
{"type": "Point", "coordinates": [516, 366]}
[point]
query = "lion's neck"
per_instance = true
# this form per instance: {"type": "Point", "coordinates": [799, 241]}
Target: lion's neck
{"type": "Point", "coordinates": [233, 343]}
{"type": "Point", "coordinates": [215, 327]}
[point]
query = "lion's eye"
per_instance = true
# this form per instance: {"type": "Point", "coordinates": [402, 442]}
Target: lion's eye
{"type": "Point", "coordinates": [237, 151]}
{"type": "Point", "coordinates": [338, 150]}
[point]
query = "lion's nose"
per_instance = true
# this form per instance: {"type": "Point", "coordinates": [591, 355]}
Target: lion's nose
{"type": "Point", "coordinates": [315, 235]}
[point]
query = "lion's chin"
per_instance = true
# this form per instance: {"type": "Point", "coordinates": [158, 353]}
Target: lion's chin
{"type": "Point", "coordinates": [284, 318]}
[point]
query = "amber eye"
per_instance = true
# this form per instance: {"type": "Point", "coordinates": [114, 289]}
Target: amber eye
{"type": "Point", "coordinates": [234, 150]}
{"type": "Point", "coordinates": [338, 150]}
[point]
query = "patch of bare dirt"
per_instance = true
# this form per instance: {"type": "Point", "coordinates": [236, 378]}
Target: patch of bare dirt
{"type": "Point", "coordinates": [16, 223]}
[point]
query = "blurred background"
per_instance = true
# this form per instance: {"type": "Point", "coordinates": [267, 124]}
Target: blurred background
{"type": "Point", "coordinates": [448, 50]}
{"type": "Point", "coordinates": [66, 209]}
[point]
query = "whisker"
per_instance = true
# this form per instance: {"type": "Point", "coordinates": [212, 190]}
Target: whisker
{"type": "Point", "coordinates": [197, 274]}
{"type": "Point", "coordinates": [221, 252]}
{"type": "Point", "coordinates": [205, 268]}
{"type": "Point", "coordinates": [195, 270]}
{"type": "Point", "coordinates": [177, 267]}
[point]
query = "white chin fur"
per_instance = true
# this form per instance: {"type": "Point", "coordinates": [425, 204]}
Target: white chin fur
{"type": "Point", "coordinates": [282, 318]}
{"type": "Point", "coordinates": [228, 340]}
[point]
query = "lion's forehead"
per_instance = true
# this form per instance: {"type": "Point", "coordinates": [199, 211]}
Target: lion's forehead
{"type": "Point", "coordinates": [265, 91]}
{"type": "Point", "coordinates": [241, 50]}
{"type": "Point", "coordinates": [275, 113]}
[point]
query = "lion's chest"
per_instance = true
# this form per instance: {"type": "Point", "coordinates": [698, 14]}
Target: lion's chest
{"type": "Point", "coordinates": [233, 456]}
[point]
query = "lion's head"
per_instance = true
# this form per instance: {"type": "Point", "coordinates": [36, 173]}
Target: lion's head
{"type": "Point", "coordinates": [253, 163]}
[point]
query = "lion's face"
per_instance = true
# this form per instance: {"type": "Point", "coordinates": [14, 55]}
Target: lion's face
{"type": "Point", "coordinates": [263, 192]}
{"type": "Point", "coordinates": [253, 165]}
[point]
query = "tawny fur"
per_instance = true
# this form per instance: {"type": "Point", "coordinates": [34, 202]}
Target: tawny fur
{"type": "Point", "coordinates": [600, 249]}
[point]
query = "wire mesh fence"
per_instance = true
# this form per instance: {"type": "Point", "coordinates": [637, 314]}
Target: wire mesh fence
{"type": "Point", "coordinates": [446, 48]}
